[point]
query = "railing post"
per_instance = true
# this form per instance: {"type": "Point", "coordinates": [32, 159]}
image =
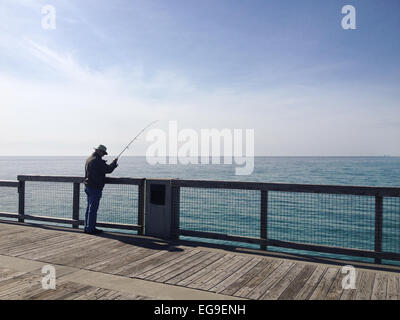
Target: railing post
{"type": "Point", "coordinates": [263, 218]}
{"type": "Point", "coordinates": [141, 206]}
{"type": "Point", "coordinates": [175, 203]}
{"type": "Point", "coordinates": [75, 205]}
{"type": "Point", "coordinates": [21, 201]}
{"type": "Point", "coordinates": [378, 225]}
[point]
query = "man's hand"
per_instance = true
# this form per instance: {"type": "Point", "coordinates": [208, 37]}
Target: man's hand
{"type": "Point", "coordinates": [114, 162]}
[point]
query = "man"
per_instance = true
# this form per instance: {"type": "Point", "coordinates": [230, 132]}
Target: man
{"type": "Point", "coordinates": [95, 176]}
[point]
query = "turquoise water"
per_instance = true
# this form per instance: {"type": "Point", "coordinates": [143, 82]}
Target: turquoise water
{"type": "Point", "coordinates": [344, 221]}
{"type": "Point", "coordinates": [371, 171]}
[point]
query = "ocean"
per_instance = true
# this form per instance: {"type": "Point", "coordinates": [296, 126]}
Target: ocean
{"type": "Point", "coordinates": [368, 171]}
{"type": "Point", "coordinates": [330, 220]}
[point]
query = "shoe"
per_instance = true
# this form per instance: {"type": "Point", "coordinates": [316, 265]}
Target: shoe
{"type": "Point", "coordinates": [97, 231]}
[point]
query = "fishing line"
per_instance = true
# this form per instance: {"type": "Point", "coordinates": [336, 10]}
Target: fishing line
{"type": "Point", "coordinates": [135, 138]}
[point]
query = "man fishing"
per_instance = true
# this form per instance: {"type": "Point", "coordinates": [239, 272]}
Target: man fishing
{"type": "Point", "coordinates": [95, 174]}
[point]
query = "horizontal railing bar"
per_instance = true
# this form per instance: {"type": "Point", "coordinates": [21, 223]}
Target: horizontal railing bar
{"type": "Point", "coordinates": [109, 180]}
{"type": "Point", "coordinates": [113, 225]}
{"type": "Point", "coordinates": [71, 221]}
{"type": "Point", "coordinates": [335, 250]}
{"type": "Point", "coordinates": [121, 180]}
{"type": "Point", "coordinates": [286, 187]}
{"type": "Point", "coordinates": [219, 236]}
{"type": "Point", "coordinates": [292, 245]}
{"type": "Point", "coordinates": [9, 183]}
{"type": "Point", "coordinates": [50, 219]}
{"type": "Point", "coordinates": [50, 178]}
{"type": "Point", "coordinates": [9, 215]}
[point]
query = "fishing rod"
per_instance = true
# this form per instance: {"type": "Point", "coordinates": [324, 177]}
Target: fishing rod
{"type": "Point", "coordinates": [135, 138]}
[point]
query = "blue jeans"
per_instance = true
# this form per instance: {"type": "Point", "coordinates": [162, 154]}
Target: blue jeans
{"type": "Point", "coordinates": [93, 200]}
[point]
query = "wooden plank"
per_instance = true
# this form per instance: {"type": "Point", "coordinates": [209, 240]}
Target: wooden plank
{"type": "Point", "coordinates": [246, 277]}
{"type": "Point", "coordinates": [257, 276]}
{"type": "Point", "coordinates": [236, 275]}
{"type": "Point", "coordinates": [308, 288]}
{"type": "Point", "coordinates": [76, 251]}
{"type": "Point", "coordinates": [112, 259]}
{"type": "Point", "coordinates": [110, 262]}
{"type": "Point", "coordinates": [206, 270]}
{"type": "Point", "coordinates": [270, 280]}
{"type": "Point", "coordinates": [298, 283]}
{"type": "Point", "coordinates": [85, 250]}
{"type": "Point", "coordinates": [336, 290]}
{"type": "Point", "coordinates": [190, 263]}
{"type": "Point", "coordinates": [325, 283]}
{"type": "Point", "coordinates": [110, 295]}
{"type": "Point", "coordinates": [159, 269]}
{"type": "Point", "coordinates": [93, 294]}
{"type": "Point", "coordinates": [6, 231]}
{"type": "Point", "coordinates": [18, 238]}
{"type": "Point", "coordinates": [155, 262]}
{"type": "Point", "coordinates": [274, 292]}
{"type": "Point", "coordinates": [216, 276]}
{"type": "Point", "coordinates": [350, 294]}
{"type": "Point", "coordinates": [7, 275]}
{"type": "Point", "coordinates": [99, 253]}
{"type": "Point", "coordinates": [364, 291]}
{"type": "Point", "coordinates": [208, 259]}
{"type": "Point", "coordinates": [15, 283]}
{"type": "Point", "coordinates": [82, 289]}
{"type": "Point", "coordinates": [46, 254]}
{"type": "Point", "coordinates": [37, 245]}
{"type": "Point", "coordinates": [40, 247]}
{"type": "Point", "coordinates": [170, 268]}
{"type": "Point", "coordinates": [62, 289]}
{"type": "Point", "coordinates": [393, 287]}
{"type": "Point", "coordinates": [24, 293]}
{"type": "Point", "coordinates": [379, 290]}
{"type": "Point", "coordinates": [135, 266]}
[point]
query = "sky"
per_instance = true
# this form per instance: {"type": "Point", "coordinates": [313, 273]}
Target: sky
{"type": "Point", "coordinates": [286, 69]}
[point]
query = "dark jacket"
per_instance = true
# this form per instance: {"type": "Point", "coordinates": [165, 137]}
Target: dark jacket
{"type": "Point", "coordinates": [95, 171]}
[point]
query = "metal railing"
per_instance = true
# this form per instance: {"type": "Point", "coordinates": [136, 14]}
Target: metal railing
{"type": "Point", "coordinates": [343, 220]}
{"type": "Point", "coordinates": [61, 195]}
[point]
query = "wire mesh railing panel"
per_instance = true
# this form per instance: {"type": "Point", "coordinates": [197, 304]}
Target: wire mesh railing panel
{"type": "Point", "coordinates": [346, 221]}
{"type": "Point", "coordinates": [8, 199]}
{"type": "Point", "coordinates": [391, 225]}
{"type": "Point", "coordinates": [118, 204]}
{"type": "Point", "coordinates": [51, 199]}
{"type": "Point", "coordinates": [225, 211]}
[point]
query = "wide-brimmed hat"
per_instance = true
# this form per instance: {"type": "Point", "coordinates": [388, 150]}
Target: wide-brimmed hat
{"type": "Point", "coordinates": [101, 148]}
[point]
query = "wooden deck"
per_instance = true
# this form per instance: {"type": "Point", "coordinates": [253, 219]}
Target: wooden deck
{"type": "Point", "coordinates": [114, 266]}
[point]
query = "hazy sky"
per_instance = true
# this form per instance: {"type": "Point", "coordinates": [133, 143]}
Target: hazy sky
{"type": "Point", "coordinates": [285, 68]}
